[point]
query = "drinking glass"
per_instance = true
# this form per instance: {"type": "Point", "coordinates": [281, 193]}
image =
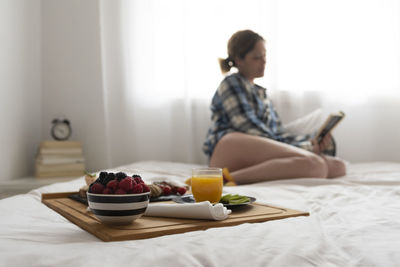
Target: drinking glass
{"type": "Point", "coordinates": [207, 184]}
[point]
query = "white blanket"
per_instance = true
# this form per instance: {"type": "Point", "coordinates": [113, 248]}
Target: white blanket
{"type": "Point", "coordinates": [354, 221]}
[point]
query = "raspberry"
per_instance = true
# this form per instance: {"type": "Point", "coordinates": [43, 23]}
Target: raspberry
{"type": "Point", "coordinates": [120, 192]}
{"type": "Point", "coordinates": [137, 179]}
{"type": "Point", "coordinates": [145, 188]}
{"type": "Point", "coordinates": [137, 189]}
{"type": "Point", "coordinates": [96, 188]}
{"type": "Point", "coordinates": [126, 184]}
{"type": "Point", "coordinates": [166, 190]}
{"type": "Point", "coordinates": [113, 184]}
{"type": "Point", "coordinates": [181, 190]}
{"type": "Point", "coordinates": [107, 191]}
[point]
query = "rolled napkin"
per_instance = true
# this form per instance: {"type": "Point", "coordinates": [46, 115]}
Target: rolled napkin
{"type": "Point", "coordinates": [201, 210]}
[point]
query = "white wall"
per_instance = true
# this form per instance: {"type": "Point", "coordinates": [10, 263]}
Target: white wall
{"type": "Point", "coordinates": [50, 66]}
{"type": "Point", "coordinates": [72, 80]}
{"type": "Point", "coordinates": [20, 86]}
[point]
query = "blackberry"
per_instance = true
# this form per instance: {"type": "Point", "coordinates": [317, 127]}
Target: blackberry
{"type": "Point", "coordinates": [120, 175]}
{"type": "Point", "coordinates": [110, 176]}
{"type": "Point", "coordinates": [136, 175]}
{"type": "Point", "coordinates": [102, 177]}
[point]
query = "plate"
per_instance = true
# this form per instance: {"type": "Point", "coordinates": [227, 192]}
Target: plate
{"type": "Point", "coordinates": [163, 198]}
{"type": "Point", "coordinates": [190, 199]}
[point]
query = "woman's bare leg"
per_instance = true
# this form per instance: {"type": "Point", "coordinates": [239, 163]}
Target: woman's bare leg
{"type": "Point", "coordinates": [253, 159]}
{"type": "Point", "coordinates": [336, 166]}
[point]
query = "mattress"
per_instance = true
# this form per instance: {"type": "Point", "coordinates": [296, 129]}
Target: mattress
{"type": "Point", "coordinates": [354, 221]}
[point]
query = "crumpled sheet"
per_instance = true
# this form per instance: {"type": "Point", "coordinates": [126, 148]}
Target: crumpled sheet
{"type": "Point", "coordinates": [354, 221]}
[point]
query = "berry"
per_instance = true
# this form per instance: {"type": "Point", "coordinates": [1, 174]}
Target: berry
{"type": "Point", "coordinates": [113, 184]}
{"type": "Point", "coordinates": [166, 190]}
{"type": "Point", "coordinates": [120, 175]}
{"type": "Point", "coordinates": [137, 189]}
{"type": "Point", "coordinates": [145, 188]}
{"type": "Point", "coordinates": [174, 190]}
{"type": "Point", "coordinates": [126, 184]}
{"type": "Point", "coordinates": [102, 178]}
{"type": "Point", "coordinates": [103, 175]}
{"type": "Point", "coordinates": [120, 192]}
{"type": "Point", "coordinates": [111, 176]}
{"type": "Point", "coordinates": [137, 179]}
{"type": "Point", "coordinates": [97, 188]}
{"type": "Point", "coordinates": [181, 190]}
{"type": "Point", "coordinates": [107, 191]}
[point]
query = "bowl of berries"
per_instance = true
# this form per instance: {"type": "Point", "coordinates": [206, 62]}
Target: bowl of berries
{"type": "Point", "coordinates": [116, 198]}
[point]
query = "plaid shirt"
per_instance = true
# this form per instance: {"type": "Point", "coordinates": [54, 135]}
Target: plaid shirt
{"type": "Point", "coordinates": [239, 106]}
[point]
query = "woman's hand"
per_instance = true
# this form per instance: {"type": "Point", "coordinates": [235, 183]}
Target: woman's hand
{"type": "Point", "coordinates": [326, 142]}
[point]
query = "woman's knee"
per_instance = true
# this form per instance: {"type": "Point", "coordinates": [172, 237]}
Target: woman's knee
{"type": "Point", "coordinates": [316, 166]}
{"type": "Point", "coordinates": [336, 167]}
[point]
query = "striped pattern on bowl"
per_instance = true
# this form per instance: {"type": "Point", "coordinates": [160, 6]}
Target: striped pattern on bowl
{"type": "Point", "coordinates": [118, 209]}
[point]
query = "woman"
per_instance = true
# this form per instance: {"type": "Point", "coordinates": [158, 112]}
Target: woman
{"type": "Point", "coordinates": [247, 137]}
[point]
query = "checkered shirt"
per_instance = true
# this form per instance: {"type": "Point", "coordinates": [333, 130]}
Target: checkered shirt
{"type": "Point", "coordinates": [239, 106]}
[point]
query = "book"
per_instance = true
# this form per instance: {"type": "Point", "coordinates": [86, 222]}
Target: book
{"type": "Point", "coordinates": [59, 159]}
{"type": "Point", "coordinates": [60, 144]}
{"type": "Point", "coordinates": [59, 174]}
{"type": "Point", "coordinates": [330, 123]}
{"type": "Point", "coordinates": [60, 167]}
{"type": "Point", "coordinates": [61, 151]}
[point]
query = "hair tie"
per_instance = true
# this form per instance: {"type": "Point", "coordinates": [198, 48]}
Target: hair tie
{"type": "Point", "coordinates": [229, 61]}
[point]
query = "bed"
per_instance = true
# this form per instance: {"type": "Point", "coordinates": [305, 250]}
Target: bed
{"type": "Point", "coordinates": [353, 221]}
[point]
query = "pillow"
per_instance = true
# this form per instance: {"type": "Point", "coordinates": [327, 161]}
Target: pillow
{"type": "Point", "coordinates": [307, 124]}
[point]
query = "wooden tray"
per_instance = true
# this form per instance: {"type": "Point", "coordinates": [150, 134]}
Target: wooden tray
{"type": "Point", "coordinates": [148, 227]}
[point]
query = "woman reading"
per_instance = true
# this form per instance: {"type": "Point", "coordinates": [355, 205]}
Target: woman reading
{"type": "Point", "coordinates": [247, 137]}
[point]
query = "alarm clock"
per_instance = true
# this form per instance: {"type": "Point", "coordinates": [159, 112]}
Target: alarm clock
{"type": "Point", "coordinates": [61, 129]}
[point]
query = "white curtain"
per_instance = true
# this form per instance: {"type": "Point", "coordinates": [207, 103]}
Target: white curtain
{"type": "Point", "coordinates": [160, 71]}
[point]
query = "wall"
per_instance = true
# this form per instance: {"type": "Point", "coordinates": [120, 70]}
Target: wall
{"type": "Point", "coordinates": [72, 83]}
{"type": "Point", "coordinates": [20, 86]}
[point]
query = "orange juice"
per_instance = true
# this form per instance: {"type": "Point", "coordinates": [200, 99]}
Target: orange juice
{"type": "Point", "coordinates": [207, 187]}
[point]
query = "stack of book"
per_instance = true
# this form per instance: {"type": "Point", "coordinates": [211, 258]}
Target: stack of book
{"type": "Point", "coordinates": [60, 159]}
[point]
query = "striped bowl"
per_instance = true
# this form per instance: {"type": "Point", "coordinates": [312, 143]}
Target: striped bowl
{"type": "Point", "coordinates": [118, 209]}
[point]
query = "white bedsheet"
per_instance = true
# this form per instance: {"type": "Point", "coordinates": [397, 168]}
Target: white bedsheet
{"type": "Point", "coordinates": [354, 221]}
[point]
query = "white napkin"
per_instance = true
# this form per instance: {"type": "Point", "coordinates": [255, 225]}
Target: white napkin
{"type": "Point", "coordinates": [201, 210]}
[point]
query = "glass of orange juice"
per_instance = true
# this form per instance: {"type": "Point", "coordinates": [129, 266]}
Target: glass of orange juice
{"type": "Point", "coordinates": [207, 184]}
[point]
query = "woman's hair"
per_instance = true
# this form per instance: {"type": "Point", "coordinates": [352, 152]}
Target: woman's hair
{"type": "Point", "coordinates": [241, 43]}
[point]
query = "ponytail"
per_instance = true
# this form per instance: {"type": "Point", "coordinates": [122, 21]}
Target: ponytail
{"type": "Point", "coordinates": [225, 64]}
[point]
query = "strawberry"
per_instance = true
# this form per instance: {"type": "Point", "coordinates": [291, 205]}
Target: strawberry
{"type": "Point", "coordinates": [145, 188]}
{"type": "Point", "coordinates": [137, 189]}
{"type": "Point", "coordinates": [120, 192]}
{"type": "Point", "coordinates": [174, 190]}
{"type": "Point", "coordinates": [166, 190]}
{"type": "Point", "coordinates": [181, 190]}
{"type": "Point", "coordinates": [126, 184]}
{"type": "Point", "coordinates": [97, 188]}
{"type": "Point", "coordinates": [113, 184]}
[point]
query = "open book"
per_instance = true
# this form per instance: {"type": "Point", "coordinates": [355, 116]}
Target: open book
{"type": "Point", "coordinates": [329, 124]}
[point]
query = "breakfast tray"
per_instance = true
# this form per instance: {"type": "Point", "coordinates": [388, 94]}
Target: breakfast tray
{"type": "Point", "coordinates": [148, 227]}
